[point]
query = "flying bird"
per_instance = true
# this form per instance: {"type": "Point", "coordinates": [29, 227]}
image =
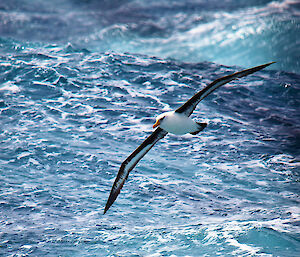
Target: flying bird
{"type": "Point", "coordinates": [177, 122]}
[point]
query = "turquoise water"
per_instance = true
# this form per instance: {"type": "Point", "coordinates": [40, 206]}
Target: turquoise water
{"type": "Point", "coordinates": [81, 83]}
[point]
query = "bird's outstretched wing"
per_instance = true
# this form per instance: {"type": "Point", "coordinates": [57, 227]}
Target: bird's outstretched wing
{"type": "Point", "coordinates": [130, 163]}
{"type": "Point", "coordinates": [188, 107]}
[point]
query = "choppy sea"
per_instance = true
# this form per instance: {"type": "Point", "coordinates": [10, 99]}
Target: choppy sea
{"type": "Point", "coordinates": [80, 85]}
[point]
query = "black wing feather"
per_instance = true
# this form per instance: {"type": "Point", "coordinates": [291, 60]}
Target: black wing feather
{"type": "Point", "coordinates": [130, 163]}
{"type": "Point", "coordinates": [188, 107]}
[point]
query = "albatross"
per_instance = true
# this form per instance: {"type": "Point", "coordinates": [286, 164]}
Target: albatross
{"type": "Point", "coordinates": [177, 122]}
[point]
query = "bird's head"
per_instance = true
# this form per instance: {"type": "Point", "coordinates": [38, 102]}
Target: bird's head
{"type": "Point", "coordinates": [161, 118]}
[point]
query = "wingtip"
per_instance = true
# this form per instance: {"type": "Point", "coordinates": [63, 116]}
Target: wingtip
{"type": "Point", "coordinates": [107, 206]}
{"type": "Point", "coordinates": [260, 67]}
{"type": "Point", "coordinates": [267, 64]}
{"type": "Point", "coordinates": [249, 71]}
{"type": "Point", "coordinates": [105, 210]}
{"type": "Point", "coordinates": [112, 196]}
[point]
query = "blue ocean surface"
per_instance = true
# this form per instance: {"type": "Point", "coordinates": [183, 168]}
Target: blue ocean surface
{"type": "Point", "coordinates": [81, 83]}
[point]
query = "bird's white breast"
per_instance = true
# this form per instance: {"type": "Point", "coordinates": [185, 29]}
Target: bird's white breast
{"type": "Point", "coordinates": [178, 123]}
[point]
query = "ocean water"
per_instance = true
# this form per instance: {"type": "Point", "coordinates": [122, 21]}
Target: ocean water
{"type": "Point", "coordinates": [80, 85]}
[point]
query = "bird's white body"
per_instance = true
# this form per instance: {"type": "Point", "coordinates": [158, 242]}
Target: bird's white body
{"type": "Point", "coordinates": [177, 123]}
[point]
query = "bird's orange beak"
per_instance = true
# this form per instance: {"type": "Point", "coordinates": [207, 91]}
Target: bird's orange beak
{"type": "Point", "coordinates": [157, 123]}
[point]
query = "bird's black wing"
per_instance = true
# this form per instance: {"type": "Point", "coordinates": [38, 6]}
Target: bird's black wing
{"type": "Point", "coordinates": [188, 107]}
{"type": "Point", "coordinates": [130, 163]}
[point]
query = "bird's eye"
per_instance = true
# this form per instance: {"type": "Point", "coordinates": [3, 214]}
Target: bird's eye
{"type": "Point", "coordinates": [161, 119]}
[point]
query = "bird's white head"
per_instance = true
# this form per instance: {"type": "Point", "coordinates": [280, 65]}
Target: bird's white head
{"type": "Point", "coordinates": [161, 118]}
